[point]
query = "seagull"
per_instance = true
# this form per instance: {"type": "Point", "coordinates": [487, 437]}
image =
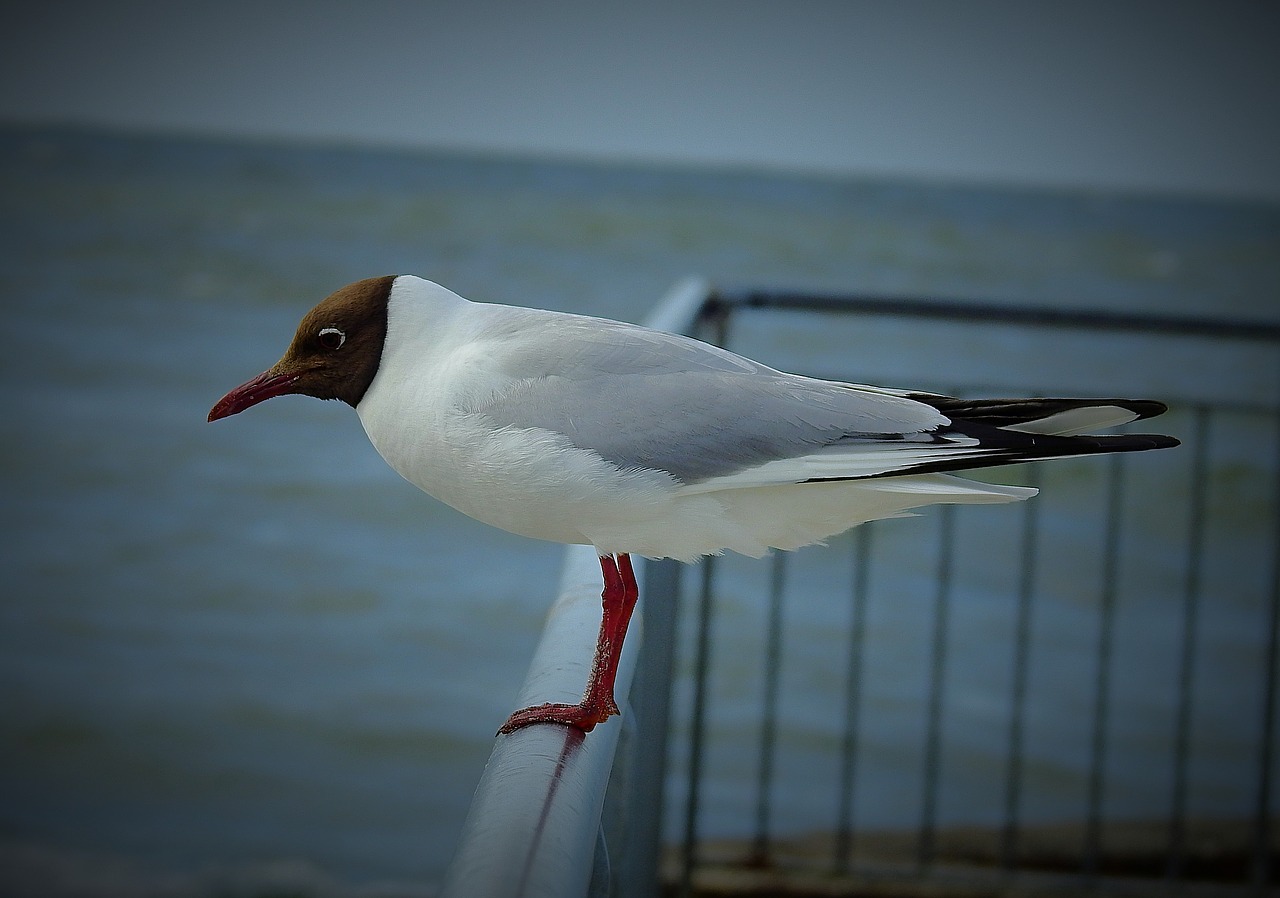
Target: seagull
{"type": "Point", "coordinates": [589, 431]}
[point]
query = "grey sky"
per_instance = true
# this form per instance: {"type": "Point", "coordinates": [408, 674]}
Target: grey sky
{"type": "Point", "coordinates": [1152, 96]}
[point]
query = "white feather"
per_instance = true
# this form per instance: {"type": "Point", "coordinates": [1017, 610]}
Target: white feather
{"type": "Point", "coordinates": [1077, 420]}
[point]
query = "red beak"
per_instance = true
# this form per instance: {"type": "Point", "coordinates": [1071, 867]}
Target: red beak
{"type": "Point", "coordinates": [261, 388]}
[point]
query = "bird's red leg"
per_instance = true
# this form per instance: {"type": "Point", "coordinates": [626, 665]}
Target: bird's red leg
{"type": "Point", "coordinates": [618, 600]}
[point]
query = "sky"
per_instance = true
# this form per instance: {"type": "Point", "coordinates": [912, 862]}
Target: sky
{"type": "Point", "coordinates": [1167, 97]}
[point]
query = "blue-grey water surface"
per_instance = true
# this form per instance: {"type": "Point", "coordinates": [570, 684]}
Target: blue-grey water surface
{"type": "Point", "coordinates": [250, 643]}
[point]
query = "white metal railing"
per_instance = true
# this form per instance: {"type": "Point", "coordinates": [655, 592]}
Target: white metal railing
{"type": "Point", "coordinates": [534, 823]}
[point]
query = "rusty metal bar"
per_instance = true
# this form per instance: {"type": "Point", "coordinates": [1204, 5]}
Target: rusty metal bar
{"type": "Point", "coordinates": [1010, 829]}
{"type": "Point", "coordinates": [760, 848]}
{"type": "Point", "coordinates": [853, 702]}
{"type": "Point", "coordinates": [927, 845]}
{"type": "Point", "coordinates": [1176, 861]}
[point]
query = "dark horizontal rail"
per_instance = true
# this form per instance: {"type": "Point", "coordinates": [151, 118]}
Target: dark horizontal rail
{"type": "Point", "coordinates": [987, 312]}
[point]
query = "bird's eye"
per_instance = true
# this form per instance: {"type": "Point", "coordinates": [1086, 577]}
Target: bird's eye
{"type": "Point", "coordinates": [331, 338]}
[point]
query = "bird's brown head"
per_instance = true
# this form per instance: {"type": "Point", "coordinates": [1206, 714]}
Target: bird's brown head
{"type": "Point", "coordinates": [334, 354]}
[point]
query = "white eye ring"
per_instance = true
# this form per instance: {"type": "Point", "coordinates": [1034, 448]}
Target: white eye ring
{"type": "Point", "coordinates": [327, 331]}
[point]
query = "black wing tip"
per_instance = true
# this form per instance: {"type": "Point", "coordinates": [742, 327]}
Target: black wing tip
{"type": "Point", "coordinates": [1143, 408]}
{"type": "Point", "coordinates": [1006, 412]}
{"type": "Point", "coordinates": [1138, 442]}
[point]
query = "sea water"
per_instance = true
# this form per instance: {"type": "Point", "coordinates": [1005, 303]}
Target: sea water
{"type": "Point", "coordinates": [223, 647]}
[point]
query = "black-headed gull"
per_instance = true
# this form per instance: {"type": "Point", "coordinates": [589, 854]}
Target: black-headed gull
{"type": "Point", "coordinates": [583, 430]}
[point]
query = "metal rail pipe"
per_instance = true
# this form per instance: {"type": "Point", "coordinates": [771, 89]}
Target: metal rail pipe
{"type": "Point", "coordinates": [535, 819]}
{"type": "Point", "coordinates": [998, 313]}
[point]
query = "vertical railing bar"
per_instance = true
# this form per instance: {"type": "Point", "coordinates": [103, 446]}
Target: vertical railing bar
{"type": "Point", "coordinates": [1187, 652]}
{"type": "Point", "coordinates": [853, 701]}
{"type": "Point", "coordinates": [937, 670]}
{"type": "Point", "coordinates": [1102, 694]}
{"type": "Point", "coordinates": [716, 318]}
{"type": "Point", "coordinates": [1021, 665]}
{"type": "Point", "coordinates": [759, 855]}
{"type": "Point", "coordinates": [1262, 871]}
{"type": "Point", "coordinates": [697, 728]}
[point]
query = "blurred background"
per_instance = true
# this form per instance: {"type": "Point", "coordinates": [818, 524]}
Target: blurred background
{"type": "Point", "coordinates": [247, 654]}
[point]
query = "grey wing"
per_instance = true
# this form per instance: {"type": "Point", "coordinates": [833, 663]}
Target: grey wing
{"type": "Point", "coordinates": [536, 343]}
{"type": "Point", "coordinates": [647, 399]}
{"type": "Point", "coordinates": [701, 425]}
